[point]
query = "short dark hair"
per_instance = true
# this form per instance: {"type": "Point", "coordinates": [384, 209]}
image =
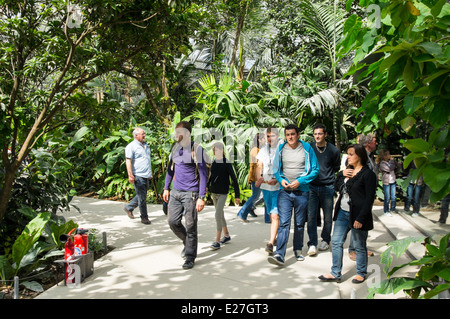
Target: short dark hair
{"type": "Point", "coordinates": [322, 126]}
{"type": "Point", "coordinates": [272, 130]}
{"type": "Point", "coordinates": [361, 152]}
{"type": "Point", "coordinates": [256, 140]}
{"type": "Point", "coordinates": [186, 125]}
{"type": "Point", "coordinates": [292, 127]}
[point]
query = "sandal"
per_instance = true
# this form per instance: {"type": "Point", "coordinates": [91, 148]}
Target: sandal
{"type": "Point", "coordinates": [329, 279]}
{"type": "Point", "coordinates": [358, 281]}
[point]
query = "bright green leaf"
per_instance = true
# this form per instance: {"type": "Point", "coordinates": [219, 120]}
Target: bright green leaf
{"type": "Point", "coordinates": [411, 103]}
{"type": "Point", "coordinates": [436, 176]}
{"type": "Point", "coordinates": [417, 145]}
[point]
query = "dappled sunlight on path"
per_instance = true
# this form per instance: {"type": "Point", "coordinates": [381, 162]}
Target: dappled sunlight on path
{"type": "Point", "coordinates": [146, 261]}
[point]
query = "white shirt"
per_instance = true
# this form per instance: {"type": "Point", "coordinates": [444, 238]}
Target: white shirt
{"type": "Point", "coordinates": [266, 156]}
{"type": "Point", "coordinates": [345, 200]}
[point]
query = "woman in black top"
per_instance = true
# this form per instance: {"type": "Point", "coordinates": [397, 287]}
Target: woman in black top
{"type": "Point", "coordinates": [218, 185]}
{"type": "Point", "coordinates": [353, 211]}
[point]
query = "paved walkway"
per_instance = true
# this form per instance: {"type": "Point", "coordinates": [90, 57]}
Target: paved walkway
{"type": "Point", "coordinates": [146, 261]}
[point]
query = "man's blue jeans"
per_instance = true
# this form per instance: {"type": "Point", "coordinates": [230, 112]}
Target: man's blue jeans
{"type": "Point", "coordinates": [359, 239]}
{"type": "Point", "coordinates": [141, 188]}
{"type": "Point", "coordinates": [320, 196]}
{"type": "Point", "coordinates": [249, 204]}
{"type": "Point", "coordinates": [390, 195]}
{"type": "Point", "coordinates": [413, 195]}
{"type": "Point", "coordinates": [287, 201]}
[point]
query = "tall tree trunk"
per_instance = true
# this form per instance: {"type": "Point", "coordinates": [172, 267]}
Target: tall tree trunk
{"type": "Point", "coordinates": [152, 101]}
{"type": "Point", "coordinates": [336, 110]}
{"type": "Point", "coordinates": [165, 91]}
{"type": "Point", "coordinates": [6, 188]}
{"type": "Point", "coordinates": [239, 27]}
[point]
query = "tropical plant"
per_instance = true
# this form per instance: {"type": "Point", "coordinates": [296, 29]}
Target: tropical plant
{"type": "Point", "coordinates": [235, 111]}
{"type": "Point", "coordinates": [30, 250]}
{"type": "Point", "coordinates": [46, 183]}
{"type": "Point", "coordinates": [325, 25]}
{"type": "Point", "coordinates": [408, 79]}
{"type": "Point", "coordinates": [46, 57]}
{"type": "Point", "coordinates": [433, 276]}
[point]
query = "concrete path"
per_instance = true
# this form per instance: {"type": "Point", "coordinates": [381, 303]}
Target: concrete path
{"type": "Point", "coordinates": [146, 261]}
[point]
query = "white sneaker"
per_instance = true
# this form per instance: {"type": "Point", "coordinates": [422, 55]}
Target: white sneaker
{"type": "Point", "coordinates": [388, 214]}
{"type": "Point", "coordinates": [312, 251]}
{"type": "Point", "coordinates": [323, 245]}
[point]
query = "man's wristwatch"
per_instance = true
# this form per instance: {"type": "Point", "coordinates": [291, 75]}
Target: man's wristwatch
{"type": "Point", "coordinates": [202, 198]}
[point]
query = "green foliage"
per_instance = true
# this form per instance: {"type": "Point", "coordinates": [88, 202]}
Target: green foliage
{"type": "Point", "coordinates": [38, 241]}
{"type": "Point", "coordinates": [409, 83]}
{"type": "Point", "coordinates": [433, 276]}
{"type": "Point", "coordinates": [27, 239]}
{"type": "Point", "coordinates": [43, 185]}
{"type": "Point", "coordinates": [46, 61]}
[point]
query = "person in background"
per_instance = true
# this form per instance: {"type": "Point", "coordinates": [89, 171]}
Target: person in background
{"type": "Point", "coordinates": [321, 190]}
{"type": "Point", "coordinates": [139, 168]}
{"type": "Point", "coordinates": [219, 184]}
{"type": "Point", "coordinates": [369, 142]}
{"type": "Point", "coordinates": [258, 142]}
{"type": "Point", "coordinates": [413, 191]}
{"type": "Point", "coordinates": [388, 167]}
{"type": "Point", "coordinates": [444, 209]}
{"type": "Point", "coordinates": [353, 211]}
{"type": "Point", "coordinates": [268, 183]}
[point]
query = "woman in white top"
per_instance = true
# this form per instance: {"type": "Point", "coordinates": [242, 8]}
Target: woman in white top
{"type": "Point", "coordinates": [268, 183]}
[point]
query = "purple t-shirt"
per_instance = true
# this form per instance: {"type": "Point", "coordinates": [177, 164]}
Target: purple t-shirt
{"type": "Point", "coordinates": [183, 170]}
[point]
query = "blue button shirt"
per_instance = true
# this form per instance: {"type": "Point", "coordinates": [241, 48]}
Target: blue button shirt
{"type": "Point", "coordinates": [139, 153]}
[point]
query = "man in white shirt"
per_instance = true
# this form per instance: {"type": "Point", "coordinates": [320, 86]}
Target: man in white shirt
{"type": "Point", "coordinates": [267, 182]}
{"type": "Point", "coordinates": [139, 169]}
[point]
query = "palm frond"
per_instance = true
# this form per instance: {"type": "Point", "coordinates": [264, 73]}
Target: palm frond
{"type": "Point", "coordinates": [327, 98]}
{"type": "Point", "coordinates": [325, 24]}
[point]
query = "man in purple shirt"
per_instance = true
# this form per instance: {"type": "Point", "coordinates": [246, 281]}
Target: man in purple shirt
{"type": "Point", "coordinates": [188, 171]}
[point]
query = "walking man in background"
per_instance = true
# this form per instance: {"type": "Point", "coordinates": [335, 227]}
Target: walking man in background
{"type": "Point", "coordinates": [321, 190]}
{"type": "Point", "coordinates": [139, 169]}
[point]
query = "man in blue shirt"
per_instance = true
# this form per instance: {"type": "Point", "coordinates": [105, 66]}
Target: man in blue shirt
{"type": "Point", "coordinates": [295, 166]}
{"type": "Point", "coordinates": [139, 169]}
